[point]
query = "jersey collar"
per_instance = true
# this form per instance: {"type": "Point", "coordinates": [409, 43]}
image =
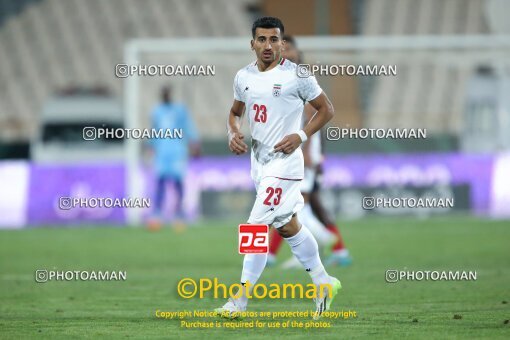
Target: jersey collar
{"type": "Point", "coordinates": [280, 62]}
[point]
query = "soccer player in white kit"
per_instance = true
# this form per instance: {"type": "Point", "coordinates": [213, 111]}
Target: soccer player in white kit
{"type": "Point", "coordinates": [273, 96]}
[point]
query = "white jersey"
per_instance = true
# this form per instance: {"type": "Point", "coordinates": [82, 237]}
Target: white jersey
{"type": "Point", "coordinates": [274, 101]}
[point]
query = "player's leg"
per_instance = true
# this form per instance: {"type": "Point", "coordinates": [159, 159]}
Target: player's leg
{"type": "Point", "coordinates": [253, 264]}
{"type": "Point", "coordinates": [322, 235]}
{"type": "Point", "coordinates": [306, 250]}
{"type": "Point", "coordinates": [276, 204]}
{"type": "Point", "coordinates": [306, 215]}
{"type": "Point", "coordinates": [301, 241]}
{"type": "Point", "coordinates": [318, 209]}
{"type": "Point", "coordinates": [178, 222]}
{"type": "Point", "coordinates": [155, 221]}
{"type": "Point", "coordinates": [179, 190]}
{"type": "Point", "coordinates": [340, 254]}
{"type": "Point", "coordinates": [275, 241]}
{"type": "Point", "coordinates": [160, 194]}
{"type": "Point", "coordinates": [277, 200]}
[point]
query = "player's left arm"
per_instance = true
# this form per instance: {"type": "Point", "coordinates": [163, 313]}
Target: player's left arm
{"type": "Point", "coordinates": [308, 112]}
{"type": "Point", "coordinates": [325, 112]}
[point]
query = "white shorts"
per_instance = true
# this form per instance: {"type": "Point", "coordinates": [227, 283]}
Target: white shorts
{"type": "Point", "coordinates": [277, 200]}
{"type": "Point", "coordinates": [308, 182]}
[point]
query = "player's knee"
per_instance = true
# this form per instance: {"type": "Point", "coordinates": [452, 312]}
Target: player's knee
{"type": "Point", "coordinates": [288, 230]}
{"type": "Point", "coordinates": [284, 232]}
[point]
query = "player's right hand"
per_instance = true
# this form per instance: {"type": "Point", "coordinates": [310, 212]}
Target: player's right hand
{"type": "Point", "coordinates": [236, 143]}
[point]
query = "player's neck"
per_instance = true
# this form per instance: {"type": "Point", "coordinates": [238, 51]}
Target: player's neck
{"type": "Point", "coordinates": [266, 67]}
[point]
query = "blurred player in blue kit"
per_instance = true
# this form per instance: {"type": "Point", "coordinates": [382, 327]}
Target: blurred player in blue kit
{"type": "Point", "coordinates": [171, 155]}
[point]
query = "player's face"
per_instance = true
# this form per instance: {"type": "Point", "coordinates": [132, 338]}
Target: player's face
{"type": "Point", "coordinates": [267, 44]}
{"type": "Point", "coordinates": [291, 52]}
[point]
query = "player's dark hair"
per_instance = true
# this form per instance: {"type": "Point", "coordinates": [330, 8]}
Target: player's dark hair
{"type": "Point", "coordinates": [166, 94]}
{"type": "Point", "coordinates": [267, 22]}
{"type": "Point", "coordinates": [290, 39]}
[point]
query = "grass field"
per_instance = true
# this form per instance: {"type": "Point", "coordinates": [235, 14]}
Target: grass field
{"type": "Point", "coordinates": [156, 261]}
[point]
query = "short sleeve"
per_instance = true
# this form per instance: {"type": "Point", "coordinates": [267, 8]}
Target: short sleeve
{"type": "Point", "coordinates": [308, 88]}
{"type": "Point", "coordinates": [238, 90]}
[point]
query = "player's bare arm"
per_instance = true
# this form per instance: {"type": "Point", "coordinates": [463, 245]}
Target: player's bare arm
{"type": "Point", "coordinates": [235, 137]}
{"type": "Point", "coordinates": [325, 112]}
{"type": "Point", "coordinates": [309, 112]}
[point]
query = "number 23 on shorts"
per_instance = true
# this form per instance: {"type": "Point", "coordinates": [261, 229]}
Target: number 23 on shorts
{"type": "Point", "coordinates": [273, 193]}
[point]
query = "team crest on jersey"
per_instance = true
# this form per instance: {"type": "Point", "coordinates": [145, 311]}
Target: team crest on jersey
{"type": "Point", "coordinates": [277, 90]}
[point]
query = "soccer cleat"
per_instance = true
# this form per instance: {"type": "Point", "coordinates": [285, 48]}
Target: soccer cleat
{"type": "Point", "coordinates": [230, 310]}
{"type": "Point", "coordinates": [324, 304]}
{"type": "Point", "coordinates": [154, 224]}
{"type": "Point", "coordinates": [271, 260]}
{"type": "Point", "coordinates": [338, 260]}
{"type": "Point", "coordinates": [179, 226]}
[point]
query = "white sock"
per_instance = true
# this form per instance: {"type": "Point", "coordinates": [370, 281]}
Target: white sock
{"type": "Point", "coordinates": [253, 266]}
{"type": "Point", "coordinates": [306, 250]}
{"type": "Point", "coordinates": [318, 230]}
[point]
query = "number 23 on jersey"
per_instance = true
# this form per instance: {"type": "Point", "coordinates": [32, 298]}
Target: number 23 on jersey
{"type": "Point", "coordinates": [260, 113]}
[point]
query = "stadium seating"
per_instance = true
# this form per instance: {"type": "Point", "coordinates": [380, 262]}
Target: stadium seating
{"type": "Point", "coordinates": [48, 45]}
{"type": "Point", "coordinates": [425, 95]}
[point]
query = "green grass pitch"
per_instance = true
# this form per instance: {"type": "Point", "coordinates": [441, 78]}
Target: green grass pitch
{"type": "Point", "coordinates": [155, 261]}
